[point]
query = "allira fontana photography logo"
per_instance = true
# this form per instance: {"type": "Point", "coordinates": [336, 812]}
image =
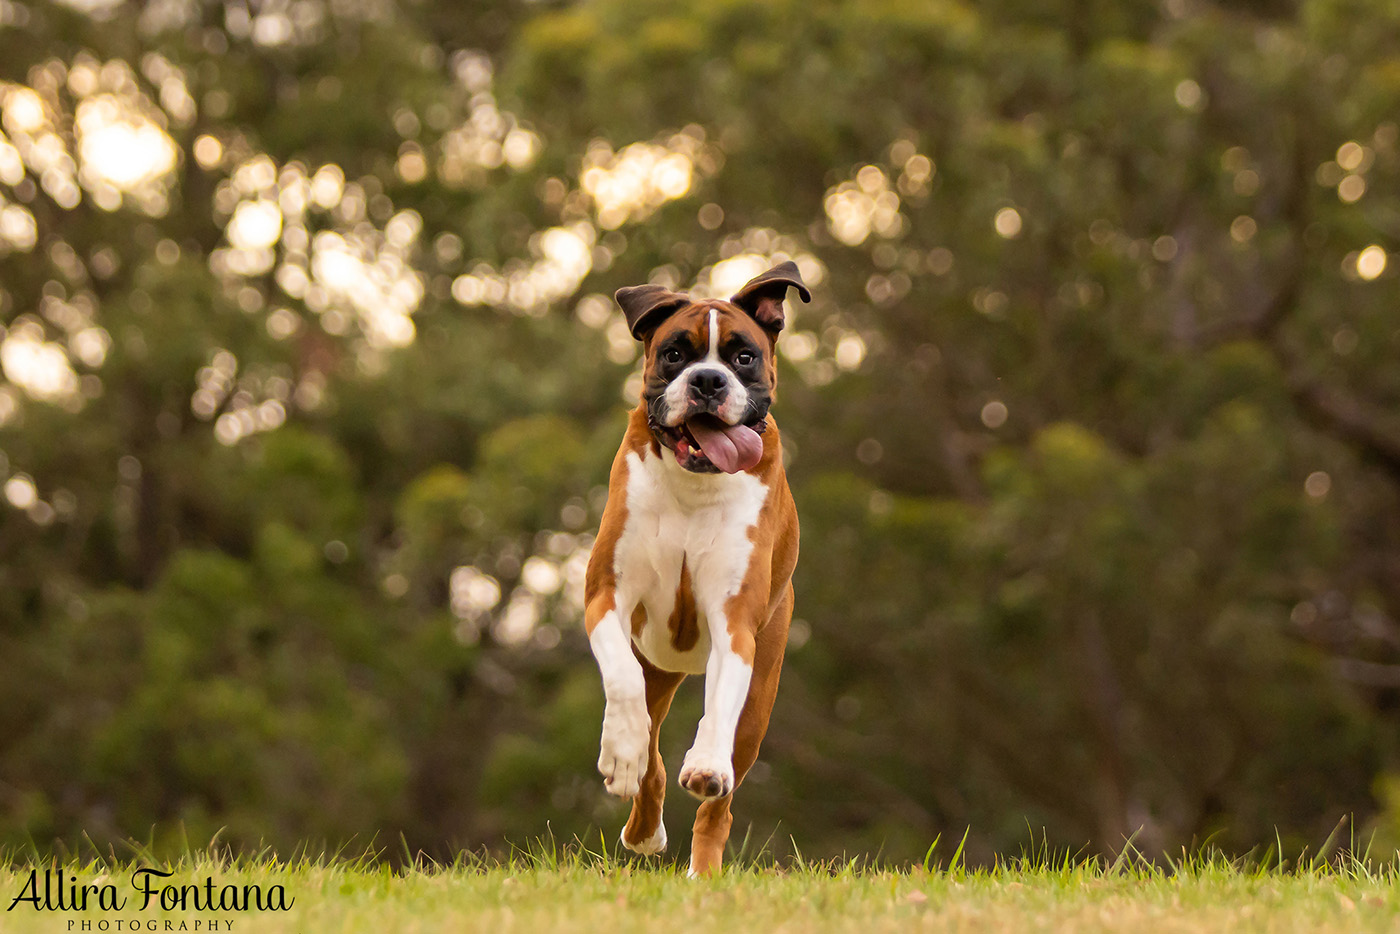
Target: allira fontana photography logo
{"type": "Point", "coordinates": [147, 890]}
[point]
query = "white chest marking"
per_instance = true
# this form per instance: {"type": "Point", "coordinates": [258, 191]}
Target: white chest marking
{"type": "Point", "coordinates": [675, 517]}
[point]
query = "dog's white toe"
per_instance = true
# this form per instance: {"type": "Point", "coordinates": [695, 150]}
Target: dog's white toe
{"type": "Point", "coordinates": [625, 747]}
{"type": "Point", "coordinates": [652, 845]}
{"type": "Point", "coordinates": [705, 775]}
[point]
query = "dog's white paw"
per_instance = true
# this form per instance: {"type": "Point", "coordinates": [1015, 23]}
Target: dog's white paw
{"type": "Point", "coordinates": [706, 775]}
{"type": "Point", "coordinates": [625, 747]}
{"type": "Point", "coordinates": [652, 845]}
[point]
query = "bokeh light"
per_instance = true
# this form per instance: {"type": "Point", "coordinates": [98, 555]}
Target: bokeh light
{"type": "Point", "coordinates": [1371, 262]}
{"type": "Point", "coordinates": [630, 184]}
{"type": "Point", "coordinates": [1008, 223]}
{"type": "Point", "coordinates": [856, 209]}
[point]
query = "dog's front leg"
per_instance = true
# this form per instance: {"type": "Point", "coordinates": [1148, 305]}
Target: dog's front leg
{"type": "Point", "coordinates": [622, 759]}
{"type": "Point", "coordinates": [708, 769]}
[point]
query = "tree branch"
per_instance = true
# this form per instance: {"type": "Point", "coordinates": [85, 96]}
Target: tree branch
{"type": "Point", "coordinates": [1353, 420]}
{"type": "Point", "coordinates": [1371, 674]}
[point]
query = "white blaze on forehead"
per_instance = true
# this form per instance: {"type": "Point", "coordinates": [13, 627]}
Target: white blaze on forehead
{"type": "Point", "coordinates": [736, 399]}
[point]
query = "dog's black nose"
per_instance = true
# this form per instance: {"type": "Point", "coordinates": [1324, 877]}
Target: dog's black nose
{"type": "Point", "coordinates": [707, 384]}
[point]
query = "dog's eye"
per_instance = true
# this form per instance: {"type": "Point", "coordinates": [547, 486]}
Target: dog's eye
{"type": "Point", "coordinates": [743, 358]}
{"type": "Point", "coordinates": [672, 355]}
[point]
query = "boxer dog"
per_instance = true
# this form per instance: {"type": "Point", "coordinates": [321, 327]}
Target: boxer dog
{"type": "Point", "coordinates": [691, 572]}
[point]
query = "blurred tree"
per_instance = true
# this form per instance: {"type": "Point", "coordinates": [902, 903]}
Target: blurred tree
{"type": "Point", "coordinates": [311, 384]}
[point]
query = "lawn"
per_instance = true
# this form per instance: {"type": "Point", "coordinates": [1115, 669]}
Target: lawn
{"type": "Point", "coordinates": [591, 893]}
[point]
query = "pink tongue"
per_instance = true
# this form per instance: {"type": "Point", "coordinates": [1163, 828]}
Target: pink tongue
{"type": "Point", "coordinates": [731, 448]}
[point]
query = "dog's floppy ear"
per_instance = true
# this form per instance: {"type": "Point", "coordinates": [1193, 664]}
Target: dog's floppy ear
{"type": "Point", "coordinates": [646, 306]}
{"type": "Point", "coordinates": [763, 295]}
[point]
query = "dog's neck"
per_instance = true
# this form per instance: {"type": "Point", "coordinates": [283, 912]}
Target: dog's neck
{"type": "Point", "coordinates": [691, 491]}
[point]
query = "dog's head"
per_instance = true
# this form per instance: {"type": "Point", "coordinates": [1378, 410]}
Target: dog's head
{"type": "Point", "coordinates": [710, 370]}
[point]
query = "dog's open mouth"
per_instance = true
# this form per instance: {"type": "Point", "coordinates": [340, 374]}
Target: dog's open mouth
{"type": "Point", "coordinates": [705, 442]}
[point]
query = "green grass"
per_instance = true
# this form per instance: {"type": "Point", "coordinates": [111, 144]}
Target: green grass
{"type": "Point", "coordinates": [587, 892]}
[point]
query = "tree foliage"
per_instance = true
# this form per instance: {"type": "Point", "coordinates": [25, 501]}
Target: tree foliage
{"type": "Point", "coordinates": [311, 383]}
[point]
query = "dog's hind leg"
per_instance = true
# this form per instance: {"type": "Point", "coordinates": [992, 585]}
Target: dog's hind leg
{"type": "Point", "coordinates": [645, 833]}
{"type": "Point", "coordinates": [713, 818]}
